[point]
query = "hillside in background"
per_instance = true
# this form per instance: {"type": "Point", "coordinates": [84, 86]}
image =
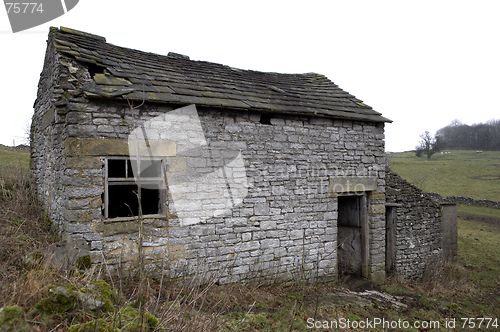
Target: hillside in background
{"type": "Point", "coordinates": [452, 173]}
{"type": "Point", "coordinates": [14, 157]}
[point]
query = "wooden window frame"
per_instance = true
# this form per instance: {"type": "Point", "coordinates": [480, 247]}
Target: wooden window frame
{"type": "Point", "coordinates": [130, 180]}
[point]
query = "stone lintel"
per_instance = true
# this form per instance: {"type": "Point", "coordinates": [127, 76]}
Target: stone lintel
{"type": "Point", "coordinates": [86, 147]}
{"type": "Point", "coordinates": [121, 227]}
{"type": "Point", "coordinates": [89, 147]}
{"type": "Point", "coordinates": [351, 184]}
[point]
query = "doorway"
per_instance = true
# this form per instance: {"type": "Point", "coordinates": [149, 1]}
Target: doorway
{"type": "Point", "coordinates": [352, 235]}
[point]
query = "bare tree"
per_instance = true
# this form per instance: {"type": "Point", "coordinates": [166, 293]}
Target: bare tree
{"type": "Point", "coordinates": [26, 127]}
{"type": "Point", "coordinates": [429, 145]}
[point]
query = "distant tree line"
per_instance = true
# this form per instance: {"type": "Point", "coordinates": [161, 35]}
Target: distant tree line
{"type": "Point", "coordinates": [479, 136]}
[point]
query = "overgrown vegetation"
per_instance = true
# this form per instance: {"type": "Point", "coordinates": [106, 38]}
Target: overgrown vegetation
{"type": "Point", "coordinates": [22, 226]}
{"type": "Point", "coordinates": [469, 288]}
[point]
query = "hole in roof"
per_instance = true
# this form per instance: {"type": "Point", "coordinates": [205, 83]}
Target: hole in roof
{"type": "Point", "coordinates": [94, 69]}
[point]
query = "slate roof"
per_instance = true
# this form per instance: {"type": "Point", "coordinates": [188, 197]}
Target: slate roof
{"type": "Point", "coordinates": [134, 75]}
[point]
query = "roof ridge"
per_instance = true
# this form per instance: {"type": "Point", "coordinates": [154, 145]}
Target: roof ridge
{"type": "Point", "coordinates": [79, 33]}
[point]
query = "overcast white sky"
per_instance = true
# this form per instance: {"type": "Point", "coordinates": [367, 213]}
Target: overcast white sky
{"type": "Point", "coordinates": [420, 63]}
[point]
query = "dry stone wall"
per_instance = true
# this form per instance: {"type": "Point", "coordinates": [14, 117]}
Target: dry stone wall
{"type": "Point", "coordinates": [47, 139]}
{"type": "Point", "coordinates": [467, 200]}
{"type": "Point", "coordinates": [418, 227]}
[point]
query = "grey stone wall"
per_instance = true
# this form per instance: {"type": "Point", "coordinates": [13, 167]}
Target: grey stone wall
{"type": "Point", "coordinates": [286, 223]}
{"type": "Point", "coordinates": [419, 229]}
{"type": "Point", "coordinates": [46, 139]}
{"type": "Point", "coordinates": [284, 227]}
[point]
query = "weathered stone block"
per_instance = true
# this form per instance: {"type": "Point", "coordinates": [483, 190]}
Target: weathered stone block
{"type": "Point", "coordinates": [269, 244]}
{"type": "Point", "coordinates": [376, 196]}
{"type": "Point", "coordinates": [96, 245]}
{"type": "Point", "coordinates": [120, 227]}
{"type": "Point", "coordinates": [78, 118]}
{"type": "Point", "coordinates": [368, 159]}
{"type": "Point", "coordinates": [83, 162]}
{"type": "Point", "coordinates": [261, 209]}
{"type": "Point", "coordinates": [75, 192]}
{"type": "Point", "coordinates": [350, 145]}
{"type": "Point", "coordinates": [267, 225]}
{"type": "Point", "coordinates": [277, 121]}
{"type": "Point", "coordinates": [377, 209]}
{"type": "Point", "coordinates": [82, 215]}
{"type": "Point", "coordinates": [321, 121]}
{"type": "Point", "coordinates": [81, 130]}
{"type": "Point", "coordinates": [105, 129]}
{"type": "Point", "coordinates": [96, 147]}
{"type": "Point", "coordinates": [75, 181]}
{"type": "Point", "coordinates": [176, 252]}
{"type": "Point", "coordinates": [77, 204]}
{"type": "Point", "coordinates": [78, 228]}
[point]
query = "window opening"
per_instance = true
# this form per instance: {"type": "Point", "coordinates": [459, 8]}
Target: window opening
{"type": "Point", "coordinates": [120, 194]}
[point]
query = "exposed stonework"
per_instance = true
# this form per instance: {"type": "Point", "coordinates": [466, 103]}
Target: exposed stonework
{"type": "Point", "coordinates": [418, 233]}
{"type": "Point", "coordinates": [306, 147]}
{"type": "Point", "coordinates": [287, 221]}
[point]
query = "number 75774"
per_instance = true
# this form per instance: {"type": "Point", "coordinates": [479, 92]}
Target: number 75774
{"type": "Point", "coordinates": [16, 7]}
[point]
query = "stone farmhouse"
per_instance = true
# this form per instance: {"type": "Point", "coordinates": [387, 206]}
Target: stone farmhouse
{"type": "Point", "coordinates": [241, 174]}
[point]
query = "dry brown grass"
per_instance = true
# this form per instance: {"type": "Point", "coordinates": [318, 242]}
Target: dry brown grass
{"type": "Point", "coordinates": [444, 280]}
{"type": "Point", "coordinates": [22, 226]}
{"type": "Point", "coordinates": [193, 304]}
{"type": "Point", "coordinates": [181, 304]}
{"type": "Point", "coordinates": [438, 280]}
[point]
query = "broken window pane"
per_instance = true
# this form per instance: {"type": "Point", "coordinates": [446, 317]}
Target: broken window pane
{"type": "Point", "coordinates": [123, 201]}
{"type": "Point", "coordinates": [121, 195]}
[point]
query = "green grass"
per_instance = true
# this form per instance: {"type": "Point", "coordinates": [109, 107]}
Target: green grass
{"type": "Point", "coordinates": [460, 173]}
{"type": "Point", "coordinates": [14, 158]}
{"type": "Point", "coordinates": [478, 211]}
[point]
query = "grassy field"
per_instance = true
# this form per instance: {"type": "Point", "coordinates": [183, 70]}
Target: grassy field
{"type": "Point", "coordinates": [469, 288]}
{"type": "Point", "coordinates": [16, 158]}
{"type": "Point", "coordinates": [458, 173]}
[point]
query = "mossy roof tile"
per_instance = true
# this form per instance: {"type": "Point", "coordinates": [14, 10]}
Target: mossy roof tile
{"type": "Point", "coordinates": [135, 75]}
